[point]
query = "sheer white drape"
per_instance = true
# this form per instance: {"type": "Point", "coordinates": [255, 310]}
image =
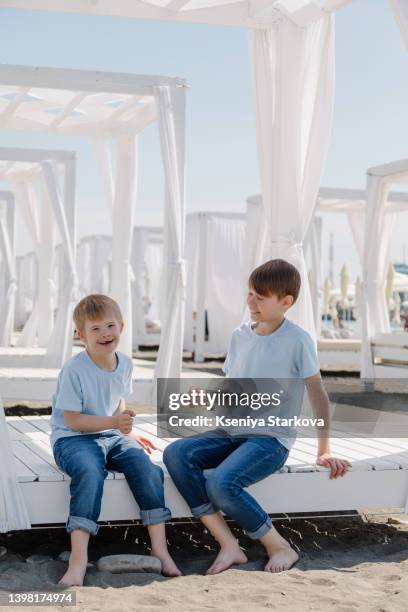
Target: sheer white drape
{"type": "Point", "coordinates": [13, 511]}
{"type": "Point", "coordinates": [313, 242]}
{"type": "Point", "coordinates": [170, 102]}
{"type": "Point", "coordinates": [41, 227]}
{"type": "Point", "coordinates": [378, 230]}
{"type": "Point", "coordinates": [7, 216]}
{"type": "Point", "coordinates": [124, 199]}
{"type": "Point", "coordinates": [59, 348]}
{"type": "Point", "coordinates": [294, 70]}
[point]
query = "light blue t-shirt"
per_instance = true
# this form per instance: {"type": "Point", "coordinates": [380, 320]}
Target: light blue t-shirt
{"type": "Point", "coordinates": [288, 353]}
{"type": "Point", "coordinates": [85, 387]}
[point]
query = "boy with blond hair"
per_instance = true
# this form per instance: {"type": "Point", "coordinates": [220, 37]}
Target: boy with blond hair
{"type": "Point", "coordinates": [269, 346]}
{"type": "Point", "coordinates": [90, 435]}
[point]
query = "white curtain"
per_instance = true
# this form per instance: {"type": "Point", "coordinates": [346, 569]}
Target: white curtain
{"type": "Point", "coordinates": [122, 233]}
{"type": "Point", "coordinates": [41, 313]}
{"type": "Point", "coordinates": [216, 287]}
{"type": "Point", "coordinates": [356, 220]}
{"type": "Point", "coordinates": [7, 214]}
{"type": "Point", "coordinates": [13, 511]}
{"type": "Point", "coordinates": [59, 348]}
{"type": "Point", "coordinates": [378, 232]}
{"type": "Point", "coordinates": [139, 270]}
{"type": "Point", "coordinates": [400, 12]}
{"type": "Point", "coordinates": [294, 73]}
{"type": "Point", "coordinates": [170, 102]}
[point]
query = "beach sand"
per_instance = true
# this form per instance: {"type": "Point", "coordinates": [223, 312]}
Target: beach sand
{"type": "Point", "coordinates": [356, 562]}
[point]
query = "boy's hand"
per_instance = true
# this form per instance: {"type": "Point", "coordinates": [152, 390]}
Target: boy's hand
{"type": "Point", "coordinates": [338, 467]}
{"type": "Point", "coordinates": [124, 422]}
{"type": "Point", "coordinates": [147, 444]}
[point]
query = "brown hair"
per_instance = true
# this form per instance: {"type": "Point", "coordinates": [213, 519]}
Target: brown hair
{"type": "Point", "coordinates": [93, 307]}
{"type": "Point", "coordinates": [276, 277]}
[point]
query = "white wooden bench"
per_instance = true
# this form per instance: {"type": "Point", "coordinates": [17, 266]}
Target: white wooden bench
{"type": "Point", "coordinates": [390, 355]}
{"type": "Point", "coordinates": [378, 477]}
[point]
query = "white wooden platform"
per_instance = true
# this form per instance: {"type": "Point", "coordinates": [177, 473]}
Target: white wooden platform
{"type": "Point", "coordinates": [339, 354]}
{"type": "Point", "coordinates": [378, 477]}
{"type": "Point", "coordinates": [39, 384]}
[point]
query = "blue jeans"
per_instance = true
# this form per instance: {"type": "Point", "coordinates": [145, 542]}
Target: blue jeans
{"type": "Point", "coordinates": [237, 463]}
{"type": "Point", "coordinates": [86, 458]}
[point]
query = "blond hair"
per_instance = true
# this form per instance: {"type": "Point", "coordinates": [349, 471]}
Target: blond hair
{"type": "Point", "coordinates": [93, 307]}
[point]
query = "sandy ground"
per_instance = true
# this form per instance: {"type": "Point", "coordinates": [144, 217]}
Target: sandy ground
{"type": "Point", "coordinates": [347, 563]}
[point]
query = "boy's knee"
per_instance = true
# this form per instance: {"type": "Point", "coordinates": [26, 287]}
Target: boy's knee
{"type": "Point", "coordinates": [219, 488]}
{"type": "Point", "coordinates": [173, 454]}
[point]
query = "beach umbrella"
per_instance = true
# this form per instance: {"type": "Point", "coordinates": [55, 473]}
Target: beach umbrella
{"type": "Point", "coordinates": [326, 295]}
{"type": "Point", "coordinates": [357, 297]}
{"type": "Point", "coordinates": [397, 309]}
{"type": "Point", "coordinates": [389, 283]}
{"type": "Point", "coordinates": [344, 283]}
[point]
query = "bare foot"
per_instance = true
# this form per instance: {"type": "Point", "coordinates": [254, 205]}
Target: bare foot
{"type": "Point", "coordinates": [281, 559]}
{"type": "Point", "coordinates": [230, 554]}
{"type": "Point", "coordinates": [74, 576]}
{"type": "Point", "coordinates": [169, 568]}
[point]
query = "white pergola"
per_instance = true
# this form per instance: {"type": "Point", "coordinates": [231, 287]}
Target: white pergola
{"type": "Point", "coordinates": [378, 231]}
{"type": "Point", "coordinates": [112, 109]}
{"type": "Point", "coordinates": [8, 269]}
{"type": "Point", "coordinates": [292, 51]}
{"type": "Point", "coordinates": [43, 183]}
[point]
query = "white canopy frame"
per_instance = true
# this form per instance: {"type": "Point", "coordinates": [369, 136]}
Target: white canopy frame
{"type": "Point", "coordinates": [292, 53]}
{"type": "Point", "coordinates": [105, 106]}
{"type": "Point", "coordinates": [7, 251]}
{"type": "Point", "coordinates": [242, 13]}
{"type": "Point", "coordinates": [22, 168]}
{"type": "Point", "coordinates": [378, 232]}
{"type": "Point", "coordinates": [27, 282]}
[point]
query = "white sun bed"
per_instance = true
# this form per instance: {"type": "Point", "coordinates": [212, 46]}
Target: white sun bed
{"type": "Point", "coordinates": [378, 477]}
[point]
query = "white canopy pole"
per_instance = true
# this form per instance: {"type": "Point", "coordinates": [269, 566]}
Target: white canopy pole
{"type": "Point", "coordinates": [315, 245]}
{"type": "Point", "coordinates": [170, 103]}
{"type": "Point", "coordinates": [293, 70]}
{"type": "Point", "coordinates": [59, 348]}
{"type": "Point", "coordinates": [138, 266]}
{"type": "Point", "coordinates": [13, 511]}
{"type": "Point", "coordinates": [7, 218]}
{"type": "Point", "coordinates": [378, 231]}
{"type": "Point", "coordinates": [122, 233]}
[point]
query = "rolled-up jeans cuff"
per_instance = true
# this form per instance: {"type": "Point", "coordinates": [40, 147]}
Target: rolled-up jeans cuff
{"type": "Point", "coordinates": [207, 508]}
{"type": "Point", "coordinates": [80, 522]}
{"type": "Point", "coordinates": [155, 515]}
{"type": "Point", "coordinates": [261, 531]}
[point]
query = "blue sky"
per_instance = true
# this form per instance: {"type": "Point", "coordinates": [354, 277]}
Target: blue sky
{"type": "Point", "coordinates": [370, 121]}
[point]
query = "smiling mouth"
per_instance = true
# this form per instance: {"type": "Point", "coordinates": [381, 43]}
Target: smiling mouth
{"type": "Point", "coordinates": [106, 342]}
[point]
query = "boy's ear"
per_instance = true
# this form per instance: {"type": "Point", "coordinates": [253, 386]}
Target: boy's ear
{"type": "Point", "coordinates": [122, 325]}
{"type": "Point", "coordinates": [288, 301]}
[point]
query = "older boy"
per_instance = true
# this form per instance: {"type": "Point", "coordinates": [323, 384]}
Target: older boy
{"type": "Point", "coordinates": [89, 435]}
{"type": "Point", "coordinates": [268, 346]}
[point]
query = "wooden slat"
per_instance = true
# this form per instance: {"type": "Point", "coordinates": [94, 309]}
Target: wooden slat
{"type": "Point", "coordinates": [24, 474]}
{"type": "Point", "coordinates": [35, 463]}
